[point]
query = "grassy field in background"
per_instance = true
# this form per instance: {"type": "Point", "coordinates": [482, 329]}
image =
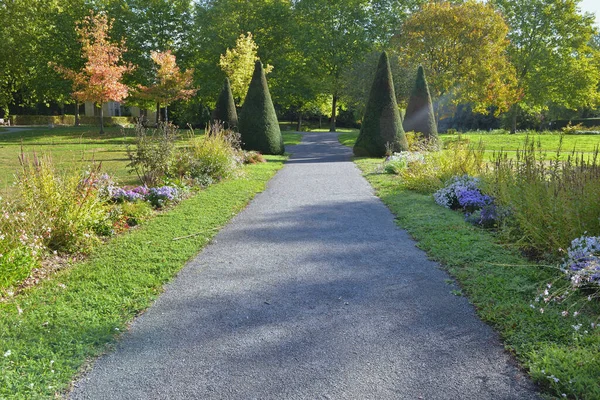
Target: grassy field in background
{"type": "Point", "coordinates": [78, 147]}
{"type": "Point", "coordinates": [510, 143]}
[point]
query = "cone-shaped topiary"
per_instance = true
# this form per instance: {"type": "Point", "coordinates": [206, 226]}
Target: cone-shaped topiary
{"type": "Point", "coordinates": [258, 122]}
{"type": "Point", "coordinates": [419, 112]}
{"type": "Point", "coordinates": [225, 108]}
{"type": "Point", "coordinates": [381, 128]}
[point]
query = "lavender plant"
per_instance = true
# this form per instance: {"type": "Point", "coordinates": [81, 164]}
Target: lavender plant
{"type": "Point", "coordinates": [583, 261]}
{"type": "Point", "coordinates": [160, 196]}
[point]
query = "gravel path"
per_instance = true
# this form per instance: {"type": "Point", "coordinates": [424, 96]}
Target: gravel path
{"type": "Point", "coordinates": [312, 292]}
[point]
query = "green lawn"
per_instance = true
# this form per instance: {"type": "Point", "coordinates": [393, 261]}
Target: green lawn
{"type": "Point", "coordinates": [78, 147]}
{"type": "Point", "coordinates": [48, 332]}
{"type": "Point", "coordinates": [502, 286]}
{"type": "Point", "coordinates": [510, 143]}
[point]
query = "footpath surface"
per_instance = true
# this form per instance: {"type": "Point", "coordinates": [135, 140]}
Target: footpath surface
{"type": "Point", "coordinates": [312, 292]}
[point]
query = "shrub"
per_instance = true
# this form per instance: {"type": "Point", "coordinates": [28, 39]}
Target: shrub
{"type": "Point", "coordinates": [440, 166]}
{"type": "Point", "coordinates": [583, 261]}
{"type": "Point", "coordinates": [136, 213]}
{"type": "Point", "coordinates": [381, 130]}
{"type": "Point", "coordinates": [225, 111]}
{"type": "Point", "coordinates": [121, 195]}
{"type": "Point", "coordinates": [461, 192]}
{"type": "Point", "coordinates": [253, 157]}
{"type": "Point", "coordinates": [153, 152]}
{"type": "Point", "coordinates": [20, 247]}
{"type": "Point", "coordinates": [419, 112]}
{"type": "Point", "coordinates": [258, 121]}
{"type": "Point", "coordinates": [399, 161]}
{"type": "Point", "coordinates": [158, 197]}
{"type": "Point", "coordinates": [551, 201]}
{"type": "Point", "coordinates": [69, 203]}
{"type": "Point", "coordinates": [69, 120]}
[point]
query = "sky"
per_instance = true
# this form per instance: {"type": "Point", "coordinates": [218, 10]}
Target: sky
{"type": "Point", "coordinates": [592, 6]}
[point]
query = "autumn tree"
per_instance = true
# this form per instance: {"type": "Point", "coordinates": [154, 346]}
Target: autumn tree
{"type": "Point", "coordinates": [238, 65]}
{"type": "Point", "coordinates": [100, 80]}
{"type": "Point", "coordinates": [171, 83]}
{"type": "Point", "coordinates": [463, 48]}
{"type": "Point", "coordinates": [551, 47]}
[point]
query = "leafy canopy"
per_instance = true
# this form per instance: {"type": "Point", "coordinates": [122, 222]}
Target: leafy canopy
{"type": "Point", "coordinates": [238, 64]}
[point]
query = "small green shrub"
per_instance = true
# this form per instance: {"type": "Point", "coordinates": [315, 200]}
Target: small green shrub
{"type": "Point", "coordinates": [440, 166]}
{"type": "Point", "coordinates": [137, 212]}
{"type": "Point", "coordinates": [20, 248]}
{"type": "Point", "coordinates": [152, 155]}
{"type": "Point", "coordinates": [66, 207]}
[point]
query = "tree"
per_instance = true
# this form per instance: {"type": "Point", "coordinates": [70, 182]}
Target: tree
{"type": "Point", "coordinates": [462, 47]}
{"type": "Point", "coordinates": [419, 112]}
{"type": "Point", "coordinates": [100, 80]}
{"type": "Point", "coordinates": [171, 83]}
{"type": "Point", "coordinates": [550, 49]}
{"type": "Point", "coordinates": [225, 109]}
{"type": "Point", "coordinates": [381, 128]}
{"type": "Point", "coordinates": [258, 121]}
{"type": "Point", "coordinates": [238, 65]}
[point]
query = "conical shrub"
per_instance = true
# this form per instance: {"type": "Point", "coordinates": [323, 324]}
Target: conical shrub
{"type": "Point", "coordinates": [419, 112]}
{"type": "Point", "coordinates": [258, 122]}
{"type": "Point", "coordinates": [225, 108]}
{"type": "Point", "coordinates": [381, 128]}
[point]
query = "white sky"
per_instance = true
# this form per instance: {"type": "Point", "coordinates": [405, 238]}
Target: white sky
{"type": "Point", "coordinates": [592, 6]}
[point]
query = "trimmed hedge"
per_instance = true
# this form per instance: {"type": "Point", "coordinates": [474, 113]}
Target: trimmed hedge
{"type": "Point", "coordinates": [381, 129]}
{"type": "Point", "coordinates": [225, 109]}
{"type": "Point", "coordinates": [68, 120]}
{"type": "Point", "coordinates": [419, 113]}
{"type": "Point", "coordinates": [587, 122]}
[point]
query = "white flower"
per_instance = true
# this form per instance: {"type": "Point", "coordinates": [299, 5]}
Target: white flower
{"type": "Point", "coordinates": [8, 353]}
{"type": "Point", "coordinates": [576, 327]}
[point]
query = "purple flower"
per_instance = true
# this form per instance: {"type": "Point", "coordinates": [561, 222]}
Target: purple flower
{"type": "Point", "coordinates": [159, 196]}
{"type": "Point", "coordinates": [121, 195]}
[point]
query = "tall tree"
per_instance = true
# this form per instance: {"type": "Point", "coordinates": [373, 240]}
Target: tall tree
{"type": "Point", "coordinates": [550, 49]}
{"type": "Point", "coordinates": [238, 65]}
{"type": "Point", "coordinates": [170, 83]}
{"type": "Point", "coordinates": [462, 47]}
{"type": "Point", "coordinates": [100, 80]}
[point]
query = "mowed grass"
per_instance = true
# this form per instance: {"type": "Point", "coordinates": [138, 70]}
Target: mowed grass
{"type": "Point", "coordinates": [549, 143]}
{"type": "Point", "coordinates": [48, 332]}
{"type": "Point", "coordinates": [502, 285]}
{"type": "Point", "coordinates": [79, 147]}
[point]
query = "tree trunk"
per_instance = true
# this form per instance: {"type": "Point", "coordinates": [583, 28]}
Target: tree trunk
{"type": "Point", "coordinates": [166, 114]}
{"type": "Point", "coordinates": [513, 118]}
{"type": "Point", "coordinates": [320, 121]}
{"type": "Point", "coordinates": [157, 113]}
{"type": "Point", "coordinates": [333, 113]}
{"type": "Point", "coordinates": [299, 125]}
{"type": "Point", "coordinates": [76, 113]}
{"type": "Point", "coordinates": [101, 118]}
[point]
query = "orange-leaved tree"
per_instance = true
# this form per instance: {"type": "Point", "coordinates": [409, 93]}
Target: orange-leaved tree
{"type": "Point", "coordinates": [100, 80]}
{"type": "Point", "coordinates": [170, 84]}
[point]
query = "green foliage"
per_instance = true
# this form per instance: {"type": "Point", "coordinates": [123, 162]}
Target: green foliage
{"type": "Point", "coordinates": [381, 129]}
{"type": "Point", "coordinates": [552, 202]}
{"type": "Point", "coordinates": [64, 322]}
{"type": "Point", "coordinates": [211, 157]}
{"type": "Point", "coordinates": [67, 207]}
{"type": "Point", "coordinates": [419, 112]}
{"type": "Point", "coordinates": [135, 213]}
{"type": "Point", "coordinates": [439, 166]}
{"type": "Point", "coordinates": [152, 153]}
{"type": "Point", "coordinates": [225, 109]}
{"type": "Point", "coordinates": [258, 121]}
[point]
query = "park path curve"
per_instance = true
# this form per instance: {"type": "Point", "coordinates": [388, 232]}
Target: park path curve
{"type": "Point", "coordinates": [312, 292]}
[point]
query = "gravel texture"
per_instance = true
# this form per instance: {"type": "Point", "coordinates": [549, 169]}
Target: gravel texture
{"type": "Point", "coordinates": [312, 292]}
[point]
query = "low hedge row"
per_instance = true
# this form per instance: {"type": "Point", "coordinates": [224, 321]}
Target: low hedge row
{"type": "Point", "coordinates": [68, 120]}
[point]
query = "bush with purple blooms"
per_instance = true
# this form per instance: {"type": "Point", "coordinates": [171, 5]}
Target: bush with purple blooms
{"type": "Point", "coordinates": [120, 195]}
{"type": "Point", "coordinates": [583, 261]}
{"type": "Point", "coordinates": [159, 196]}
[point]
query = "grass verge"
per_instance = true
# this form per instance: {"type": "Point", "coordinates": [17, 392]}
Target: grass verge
{"type": "Point", "coordinates": [291, 139]}
{"type": "Point", "coordinates": [503, 285]}
{"type": "Point", "coordinates": [48, 332]}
